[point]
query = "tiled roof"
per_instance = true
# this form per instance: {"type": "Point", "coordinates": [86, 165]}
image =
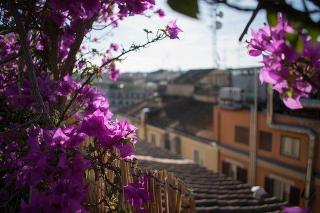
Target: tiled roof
{"type": "Point", "coordinates": [191, 76]}
{"type": "Point", "coordinates": [213, 192]}
{"type": "Point", "coordinates": [180, 113]}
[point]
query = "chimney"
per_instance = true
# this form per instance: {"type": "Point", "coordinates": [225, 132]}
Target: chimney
{"type": "Point", "coordinates": [143, 122]}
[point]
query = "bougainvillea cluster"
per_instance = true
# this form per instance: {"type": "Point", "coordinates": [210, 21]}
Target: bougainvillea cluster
{"type": "Point", "coordinates": [43, 161]}
{"type": "Point", "coordinates": [291, 61]}
{"type": "Point", "coordinates": [295, 209]}
{"type": "Point", "coordinates": [137, 193]}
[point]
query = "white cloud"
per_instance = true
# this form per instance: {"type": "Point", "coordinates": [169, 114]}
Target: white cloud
{"type": "Point", "coordinates": [195, 47]}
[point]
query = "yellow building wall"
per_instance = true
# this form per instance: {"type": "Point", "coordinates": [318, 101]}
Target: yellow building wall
{"type": "Point", "coordinates": [188, 145]}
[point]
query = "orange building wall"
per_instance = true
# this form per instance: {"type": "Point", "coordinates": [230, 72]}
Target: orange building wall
{"type": "Point", "coordinates": [225, 122]}
{"type": "Point", "coordinates": [316, 203]}
{"type": "Point", "coordinates": [230, 118]}
{"type": "Point", "coordinates": [224, 156]}
{"type": "Point", "coordinates": [264, 172]}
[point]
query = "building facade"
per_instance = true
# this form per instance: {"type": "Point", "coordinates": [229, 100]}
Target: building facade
{"type": "Point", "coordinates": [280, 159]}
{"type": "Point", "coordinates": [202, 85]}
{"type": "Point", "coordinates": [179, 125]}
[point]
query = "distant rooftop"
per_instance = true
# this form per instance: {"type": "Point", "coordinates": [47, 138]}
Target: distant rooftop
{"type": "Point", "coordinates": [213, 192]}
{"type": "Point", "coordinates": [180, 113]}
{"type": "Point", "coordinates": [191, 76]}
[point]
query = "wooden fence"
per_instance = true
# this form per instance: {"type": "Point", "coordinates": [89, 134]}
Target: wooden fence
{"type": "Point", "coordinates": [169, 194]}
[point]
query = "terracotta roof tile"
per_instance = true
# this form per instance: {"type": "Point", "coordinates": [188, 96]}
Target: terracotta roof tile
{"type": "Point", "coordinates": [213, 192]}
{"type": "Point", "coordinates": [165, 111]}
{"type": "Point", "coordinates": [191, 76]}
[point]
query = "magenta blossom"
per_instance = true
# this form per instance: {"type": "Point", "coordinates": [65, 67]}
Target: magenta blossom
{"type": "Point", "coordinates": [114, 72]}
{"type": "Point", "coordinates": [160, 13]}
{"type": "Point", "coordinates": [296, 209]}
{"type": "Point", "coordinates": [173, 30]}
{"type": "Point", "coordinates": [114, 46]}
{"type": "Point", "coordinates": [137, 194]}
{"type": "Point", "coordinates": [283, 63]}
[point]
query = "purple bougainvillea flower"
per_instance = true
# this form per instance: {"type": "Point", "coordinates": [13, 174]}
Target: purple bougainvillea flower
{"type": "Point", "coordinates": [131, 7]}
{"type": "Point", "coordinates": [39, 46]}
{"type": "Point", "coordinates": [296, 209]}
{"type": "Point", "coordinates": [114, 73]}
{"type": "Point", "coordinates": [136, 194]}
{"type": "Point", "coordinates": [126, 151]}
{"type": "Point", "coordinates": [292, 102]}
{"type": "Point", "coordinates": [269, 76]}
{"type": "Point", "coordinates": [160, 13]}
{"type": "Point", "coordinates": [173, 30]}
{"type": "Point", "coordinates": [93, 126]}
{"type": "Point", "coordinates": [283, 63]}
{"type": "Point", "coordinates": [80, 9]}
{"type": "Point", "coordinates": [59, 137]}
{"type": "Point", "coordinates": [114, 46]}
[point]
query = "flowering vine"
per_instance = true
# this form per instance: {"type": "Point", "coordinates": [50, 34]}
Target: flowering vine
{"type": "Point", "coordinates": [291, 61]}
{"type": "Point", "coordinates": [54, 125]}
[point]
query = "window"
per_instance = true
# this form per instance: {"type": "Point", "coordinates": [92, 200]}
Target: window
{"type": "Point", "coordinates": [165, 142]}
{"type": "Point", "coordinates": [242, 174]}
{"type": "Point", "coordinates": [229, 169]}
{"type": "Point", "coordinates": [265, 141]}
{"type": "Point", "coordinates": [282, 190]}
{"type": "Point", "coordinates": [197, 157]}
{"type": "Point", "coordinates": [242, 135]}
{"type": "Point", "coordinates": [176, 145]}
{"type": "Point", "coordinates": [153, 139]}
{"type": "Point", "coordinates": [234, 171]}
{"type": "Point", "coordinates": [290, 147]}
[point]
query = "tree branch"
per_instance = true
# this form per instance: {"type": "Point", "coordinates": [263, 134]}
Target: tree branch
{"type": "Point", "coordinates": [254, 14]}
{"type": "Point", "coordinates": [134, 48]}
{"type": "Point", "coordinates": [28, 60]}
{"type": "Point", "coordinates": [53, 47]}
{"type": "Point", "coordinates": [290, 12]}
{"type": "Point", "coordinates": [74, 98]}
{"type": "Point", "coordinates": [9, 58]}
{"type": "Point", "coordinates": [71, 59]}
{"type": "Point", "coordinates": [305, 77]}
{"type": "Point", "coordinates": [225, 2]}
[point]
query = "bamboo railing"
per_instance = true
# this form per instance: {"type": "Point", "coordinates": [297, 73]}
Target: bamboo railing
{"type": "Point", "coordinates": [169, 194]}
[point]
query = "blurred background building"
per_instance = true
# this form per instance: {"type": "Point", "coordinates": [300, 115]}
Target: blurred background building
{"type": "Point", "coordinates": [227, 122]}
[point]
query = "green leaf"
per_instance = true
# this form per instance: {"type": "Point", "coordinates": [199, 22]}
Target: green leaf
{"type": "Point", "coordinates": [299, 44]}
{"type": "Point", "coordinates": [147, 31]}
{"type": "Point", "coordinates": [272, 18]}
{"type": "Point", "coordinates": [314, 33]}
{"type": "Point", "coordinates": [186, 7]}
{"type": "Point", "coordinates": [295, 41]}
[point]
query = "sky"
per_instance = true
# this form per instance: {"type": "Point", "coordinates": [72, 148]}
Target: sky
{"type": "Point", "coordinates": [195, 47]}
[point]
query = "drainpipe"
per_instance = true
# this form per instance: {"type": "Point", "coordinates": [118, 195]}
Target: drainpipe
{"type": "Point", "coordinates": [143, 118]}
{"type": "Point", "coordinates": [310, 103]}
{"type": "Point", "coordinates": [253, 133]}
{"type": "Point", "coordinates": [299, 129]}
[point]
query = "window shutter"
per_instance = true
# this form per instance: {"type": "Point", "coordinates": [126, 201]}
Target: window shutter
{"type": "Point", "coordinates": [163, 138]}
{"type": "Point", "coordinates": [196, 157]}
{"type": "Point", "coordinates": [242, 174]}
{"type": "Point", "coordinates": [268, 185]}
{"type": "Point", "coordinates": [225, 168]}
{"type": "Point", "coordinates": [265, 140]}
{"type": "Point", "coordinates": [178, 146]}
{"type": "Point", "coordinates": [167, 142]}
{"type": "Point", "coordinates": [294, 196]}
{"type": "Point", "coordinates": [241, 135]}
